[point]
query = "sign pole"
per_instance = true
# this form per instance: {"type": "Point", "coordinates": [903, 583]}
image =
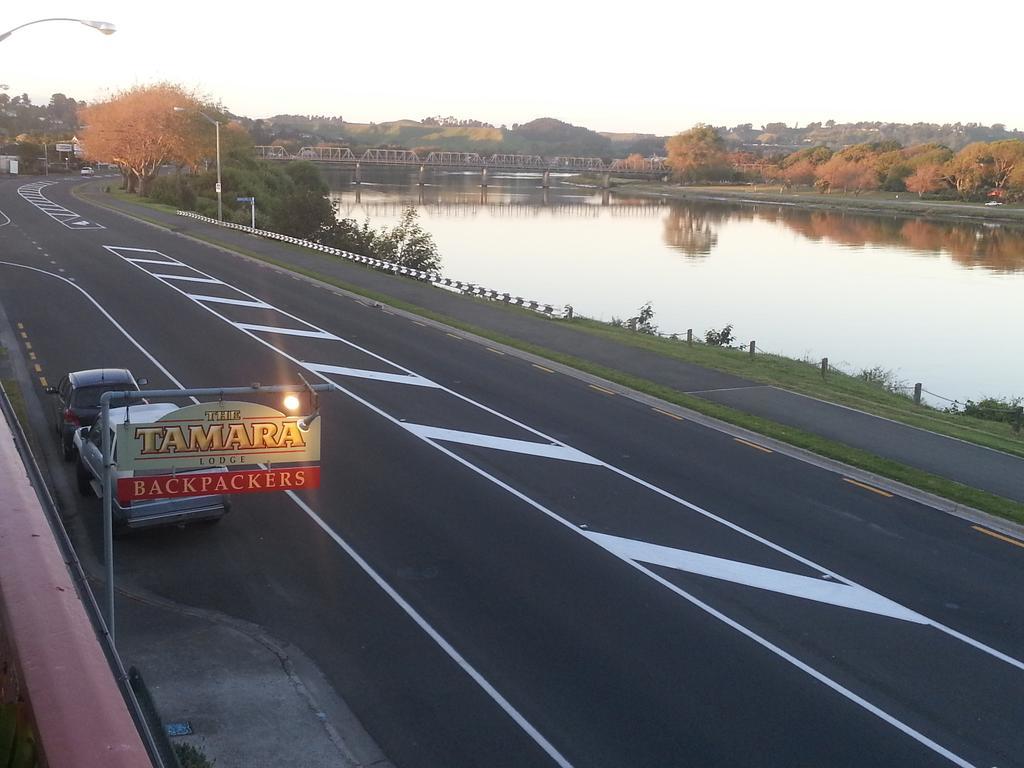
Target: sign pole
{"type": "Point", "coordinates": [108, 516]}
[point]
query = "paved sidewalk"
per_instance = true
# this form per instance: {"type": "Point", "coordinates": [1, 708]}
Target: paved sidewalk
{"type": "Point", "coordinates": [984, 468]}
{"type": "Point", "coordinates": [250, 702]}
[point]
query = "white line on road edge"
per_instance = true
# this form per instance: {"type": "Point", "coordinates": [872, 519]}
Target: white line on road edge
{"type": "Point", "coordinates": [447, 647]}
{"type": "Point", "coordinates": [434, 635]}
{"type": "Point", "coordinates": [850, 695]}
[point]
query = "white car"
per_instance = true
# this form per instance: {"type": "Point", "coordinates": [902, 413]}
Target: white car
{"type": "Point", "coordinates": [88, 448]}
{"type": "Point", "coordinates": [87, 171]}
{"type": "Point", "coordinates": [993, 202]}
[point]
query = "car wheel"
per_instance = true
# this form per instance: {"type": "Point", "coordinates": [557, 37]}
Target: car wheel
{"type": "Point", "coordinates": [84, 479]}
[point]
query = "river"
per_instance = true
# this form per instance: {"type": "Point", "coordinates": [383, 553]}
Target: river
{"type": "Point", "coordinates": [936, 303]}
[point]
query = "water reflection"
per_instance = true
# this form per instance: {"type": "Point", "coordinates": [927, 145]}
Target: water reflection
{"type": "Point", "coordinates": [690, 227]}
{"type": "Point", "coordinates": [864, 291]}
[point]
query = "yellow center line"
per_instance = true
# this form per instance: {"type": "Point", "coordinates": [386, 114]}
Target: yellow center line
{"type": "Point", "coordinates": [541, 368]}
{"type": "Point", "coordinates": [39, 368]}
{"type": "Point", "coordinates": [999, 536]}
{"type": "Point", "coordinates": [495, 351]}
{"type": "Point", "coordinates": [666, 413]}
{"type": "Point", "coordinates": [879, 491]}
{"type": "Point", "coordinates": [24, 335]}
{"type": "Point", "coordinates": [42, 380]}
{"type": "Point", "coordinates": [753, 445]}
{"type": "Point", "coordinates": [28, 345]}
{"type": "Point", "coordinates": [21, 326]}
{"type": "Point", "coordinates": [31, 355]}
{"type": "Point", "coordinates": [459, 338]}
{"type": "Point", "coordinates": [601, 389]}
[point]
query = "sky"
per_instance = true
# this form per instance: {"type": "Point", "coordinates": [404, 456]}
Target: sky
{"type": "Point", "coordinates": [645, 67]}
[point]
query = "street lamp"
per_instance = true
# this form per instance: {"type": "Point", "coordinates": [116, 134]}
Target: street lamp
{"type": "Point", "coordinates": [103, 26]}
{"type": "Point", "coordinates": [216, 124]}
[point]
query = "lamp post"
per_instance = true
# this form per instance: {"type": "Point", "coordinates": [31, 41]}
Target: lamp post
{"type": "Point", "coordinates": [216, 125]}
{"type": "Point", "coordinates": [102, 26]}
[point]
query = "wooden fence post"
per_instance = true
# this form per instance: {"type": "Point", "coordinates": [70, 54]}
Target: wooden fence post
{"type": "Point", "coordinates": [689, 336]}
{"type": "Point", "coordinates": [752, 347]}
{"type": "Point", "coordinates": [824, 367]}
{"type": "Point", "coordinates": [917, 393]}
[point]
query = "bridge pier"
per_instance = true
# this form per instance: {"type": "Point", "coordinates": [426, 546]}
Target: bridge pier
{"type": "Point", "coordinates": [546, 180]}
{"type": "Point", "coordinates": [606, 182]}
{"type": "Point", "coordinates": [422, 172]}
{"type": "Point", "coordinates": [359, 174]}
{"type": "Point", "coordinates": [605, 196]}
{"type": "Point", "coordinates": [483, 178]}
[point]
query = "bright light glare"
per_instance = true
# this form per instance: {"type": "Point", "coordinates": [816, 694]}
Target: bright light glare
{"type": "Point", "coordinates": [291, 403]}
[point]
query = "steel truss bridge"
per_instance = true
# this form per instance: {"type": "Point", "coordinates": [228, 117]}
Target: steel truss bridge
{"type": "Point", "coordinates": [474, 160]}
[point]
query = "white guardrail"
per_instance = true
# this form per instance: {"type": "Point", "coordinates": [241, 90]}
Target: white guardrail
{"type": "Point", "coordinates": [458, 286]}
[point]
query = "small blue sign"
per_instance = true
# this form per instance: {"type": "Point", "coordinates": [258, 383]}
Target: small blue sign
{"type": "Point", "coordinates": [179, 729]}
{"type": "Point", "coordinates": [245, 199]}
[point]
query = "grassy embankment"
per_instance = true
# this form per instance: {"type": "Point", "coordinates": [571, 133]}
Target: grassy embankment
{"type": "Point", "coordinates": [789, 374]}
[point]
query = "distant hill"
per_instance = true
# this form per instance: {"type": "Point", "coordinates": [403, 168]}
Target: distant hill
{"type": "Point", "coordinates": [549, 136]}
{"type": "Point", "coordinates": [544, 136]}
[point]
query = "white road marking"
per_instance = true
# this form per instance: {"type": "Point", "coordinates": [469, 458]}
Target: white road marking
{"type": "Point", "coordinates": [362, 373]}
{"type": "Point", "coordinates": [161, 262]}
{"type": "Point", "coordinates": [32, 193]}
{"type": "Point", "coordinates": [783, 582]}
{"type": "Point", "coordinates": [546, 450]}
{"type": "Point", "coordinates": [525, 725]}
{"type": "Point", "coordinates": [189, 279]}
{"type": "Point", "coordinates": [6, 219]}
{"type": "Point", "coordinates": [312, 334]}
{"type": "Point", "coordinates": [237, 302]}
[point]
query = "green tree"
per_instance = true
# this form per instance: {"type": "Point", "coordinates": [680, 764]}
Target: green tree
{"type": "Point", "coordinates": [408, 244]}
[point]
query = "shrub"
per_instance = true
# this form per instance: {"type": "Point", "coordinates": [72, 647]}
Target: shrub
{"type": "Point", "coordinates": [722, 338]}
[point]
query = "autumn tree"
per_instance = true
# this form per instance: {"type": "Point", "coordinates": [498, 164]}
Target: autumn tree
{"type": "Point", "coordinates": [139, 130]}
{"type": "Point", "coordinates": [925, 179]}
{"type": "Point", "coordinates": [1004, 158]}
{"type": "Point", "coordinates": [697, 154]}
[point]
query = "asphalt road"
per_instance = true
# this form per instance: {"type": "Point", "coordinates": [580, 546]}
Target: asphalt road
{"type": "Point", "coordinates": [508, 567]}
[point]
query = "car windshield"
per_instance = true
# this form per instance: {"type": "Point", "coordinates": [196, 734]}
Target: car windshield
{"type": "Point", "coordinates": [89, 397]}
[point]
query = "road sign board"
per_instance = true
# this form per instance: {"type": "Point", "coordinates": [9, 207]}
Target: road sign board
{"type": "Point", "coordinates": [219, 434]}
{"type": "Point", "coordinates": [245, 199]}
{"type": "Point", "coordinates": [65, 147]}
{"type": "Point", "coordinates": [210, 483]}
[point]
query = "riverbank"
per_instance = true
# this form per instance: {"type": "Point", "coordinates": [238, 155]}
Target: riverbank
{"type": "Point", "coordinates": [904, 204]}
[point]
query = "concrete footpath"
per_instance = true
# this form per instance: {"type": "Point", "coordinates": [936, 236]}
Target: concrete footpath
{"type": "Point", "coordinates": [966, 463]}
{"type": "Point", "coordinates": [248, 701]}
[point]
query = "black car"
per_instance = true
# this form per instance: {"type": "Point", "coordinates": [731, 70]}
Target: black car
{"type": "Point", "coordinates": [78, 399]}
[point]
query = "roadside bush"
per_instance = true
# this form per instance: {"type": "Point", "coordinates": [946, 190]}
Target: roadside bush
{"type": "Point", "coordinates": [994, 409]}
{"type": "Point", "coordinates": [722, 338]}
{"type": "Point", "coordinates": [408, 244]}
{"type": "Point", "coordinates": [883, 378]}
{"type": "Point", "coordinates": [642, 322]}
{"type": "Point", "coordinates": [173, 190]}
